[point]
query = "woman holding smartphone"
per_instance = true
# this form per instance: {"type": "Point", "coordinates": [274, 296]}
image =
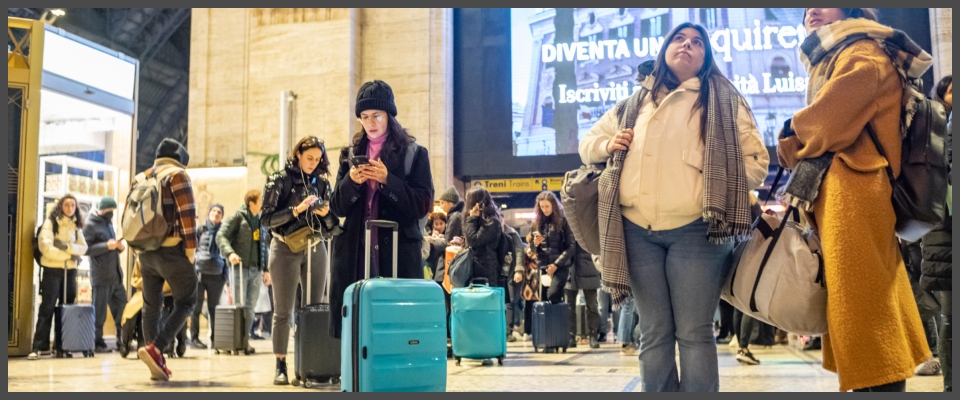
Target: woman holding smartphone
{"type": "Point", "coordinates": [384, 175]}
{"type": "Point", "coordinates": [296, 207]}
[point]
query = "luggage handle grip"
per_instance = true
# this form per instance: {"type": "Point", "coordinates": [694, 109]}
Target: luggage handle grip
{"type": "Point", "coordinates": [473, 282]}
{"type": "Point", "coordinates": [382, 224]}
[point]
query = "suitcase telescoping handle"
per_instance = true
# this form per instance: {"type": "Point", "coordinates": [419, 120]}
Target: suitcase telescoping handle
{"type": "Point", "coordinates": [65, 282]}
{"type": "Point", "coordinates": [240, 284]}
{"type": "Point", "coordinates": [311, 245]}
{"type": "Point", "coordinates": [381, 224]}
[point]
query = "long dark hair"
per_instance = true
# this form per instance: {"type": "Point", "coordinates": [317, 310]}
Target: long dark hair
{"type": "Point", "coordinates": [58, 212]}
{"type": "Point", "coordinates": [488, 209]}
{"type": "Point", "coordinates": [398, 138]}
{"type": "Point", "coordinates": [307, 143]}
{"type": "Point", "coordinates": [557, 218]}
{"type": "Point", "coordinates": [709, 72]}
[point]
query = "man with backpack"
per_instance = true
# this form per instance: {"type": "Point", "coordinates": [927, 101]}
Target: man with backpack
{"type": "Point", "coordinates": [213, 274]}
{"type": "Point", "coordinates": [106, 277]}
{"type": "Point", "coordinates": [167, 240]}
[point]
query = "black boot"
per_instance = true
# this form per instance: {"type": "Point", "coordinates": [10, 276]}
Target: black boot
{"type": "Point", "coordinates": [281, 377]}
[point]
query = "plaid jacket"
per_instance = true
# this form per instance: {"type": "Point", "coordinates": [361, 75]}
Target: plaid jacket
{"type": "Point", "coordinates": [179, 207]}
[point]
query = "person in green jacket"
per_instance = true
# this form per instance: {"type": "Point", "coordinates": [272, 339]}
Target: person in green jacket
{"type": "Point", "coordinates": [239, 242]}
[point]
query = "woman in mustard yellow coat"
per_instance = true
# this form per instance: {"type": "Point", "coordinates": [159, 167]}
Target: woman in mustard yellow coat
{"type": "Point", "coordinates": [875, 337]}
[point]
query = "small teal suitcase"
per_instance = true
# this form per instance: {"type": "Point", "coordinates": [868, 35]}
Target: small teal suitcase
{"type": "Point", "coordinates": [394, 336]}
{"type": "Point", "coordinates": [478, 324]}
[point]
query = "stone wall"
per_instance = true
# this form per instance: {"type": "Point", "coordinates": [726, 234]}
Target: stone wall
{"type": "Point", "coordinates": [241, 59]}
{"type": "Point", "coordinates": [941, 33]}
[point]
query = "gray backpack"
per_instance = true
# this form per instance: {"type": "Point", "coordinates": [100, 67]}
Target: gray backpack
{"type": "Point", "coordinates": [144, 226]}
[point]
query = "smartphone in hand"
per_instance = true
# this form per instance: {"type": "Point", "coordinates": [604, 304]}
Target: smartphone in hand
{"type": "Point", "coordinates": [359, 160]}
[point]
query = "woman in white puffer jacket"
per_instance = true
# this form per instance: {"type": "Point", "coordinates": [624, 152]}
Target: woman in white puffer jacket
{"type": "Point", "coordinates": [61, 244]}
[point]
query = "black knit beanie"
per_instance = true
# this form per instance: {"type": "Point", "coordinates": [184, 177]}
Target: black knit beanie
{"type": "Point", "coordinates": [170, 148]}
{"type": "Point", "coordinates": [376, 95]}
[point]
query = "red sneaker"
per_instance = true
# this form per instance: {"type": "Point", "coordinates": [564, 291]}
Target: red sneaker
{"type": "Point", "coordinates": [155, 361]}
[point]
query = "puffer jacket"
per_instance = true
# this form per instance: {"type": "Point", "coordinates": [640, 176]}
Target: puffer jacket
{"type": "Point", "coordinates": [284, 190]}
{"type": "Point", "coordinates": [584, 273]}
{"type": "Point", "coordinates": [208, 260]}
{"type": "Point", "coordinates": [68, 233]}
{"type": "Point", "coordinates": [937, 265]}
{"type": "Point", "coordinates": [236, 236]}
{"type": "Point", "coordinates": [483, 237]}
{"type": "Point", "coordinates": [558, 247]}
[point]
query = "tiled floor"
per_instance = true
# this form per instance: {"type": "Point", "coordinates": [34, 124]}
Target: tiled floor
{"type": "Point", "coordinates": [782, 369]}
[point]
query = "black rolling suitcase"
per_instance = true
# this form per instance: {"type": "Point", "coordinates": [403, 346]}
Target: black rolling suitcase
{"type": "Point", "coordinates": [75, 326]}
{"type": "Point", "coordinates": [551, 326]}
{"type": "Point", "coordinates": [317, 359]}
{"type": "Point", "coordinates": [229, 332]}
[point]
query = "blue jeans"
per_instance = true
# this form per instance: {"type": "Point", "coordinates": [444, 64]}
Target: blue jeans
{"type": "Point", "coordinates": [676, 276]}
{"type": "Point", "coordinates": [606, 311]}
{"type": "Point", "coordinates": [251, 291]}
{"type": "Point", "coordinates": [628, 327]}
{"type": "Point", "coordinates": [514, 305]}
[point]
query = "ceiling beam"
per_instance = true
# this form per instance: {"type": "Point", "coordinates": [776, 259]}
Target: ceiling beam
{"type": "Point", "coordinates": [116, 17]}
{"type": "Point", "coordinates": [163, 103]}
{"type": "Point", "coordinates": [147, 20]}
{"type": "Point", "coordinates": [169, 26]}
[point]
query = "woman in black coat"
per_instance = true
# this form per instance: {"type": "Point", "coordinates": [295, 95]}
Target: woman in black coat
{"type": "Point", "coordinates": [482, 228]}
{"type": "Point", "coordinates": [553, 243]}
{"type": "Point", "coordinates": [374, 183]}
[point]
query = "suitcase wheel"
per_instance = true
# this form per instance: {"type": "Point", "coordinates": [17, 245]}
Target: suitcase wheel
{"type": "Point", "coordinates": [534, 349]}
{"type": "Point", "coordinates": [307, 384]}
{"type": "Point", "coordinates": [500, 360]}
{"type": "Point", "coordinates": [216, 351]}
{"type": "Point", "coordinates": [458, 361]}
{"type": "Point", "coordinates": [564, 350]}
{"type": "Point", "coordinates": [246, 352]}
{"type": "Point", "coordinates": [295, 382]}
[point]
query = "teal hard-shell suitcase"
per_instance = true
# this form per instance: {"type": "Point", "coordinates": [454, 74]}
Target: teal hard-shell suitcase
{"type": "Point", "coordinates": [394, 336]}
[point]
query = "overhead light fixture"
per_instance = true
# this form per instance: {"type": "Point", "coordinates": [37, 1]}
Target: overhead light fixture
{"type": "Point", "coordinates": [51, 15]}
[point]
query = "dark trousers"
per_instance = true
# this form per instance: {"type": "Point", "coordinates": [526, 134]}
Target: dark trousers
{"type": "Point", "coordinates": [51, 294]}
{"type": "Point", "coordinates": [212, 285]}
{"type": "Point", "coordinates": [168, 264]}
{"type": "Point", "coordinates": [747, 325]}
{"type": "Point", "coordinates": [726, 319]}
{"type": "Point", "coordinates": [945, 344]}
{"type": "Point", "coordinates": [593, 313]}
{"type": "Point", "coordinates": [168, 304]}
{"type": "Point", "coordinates": [111, 296]}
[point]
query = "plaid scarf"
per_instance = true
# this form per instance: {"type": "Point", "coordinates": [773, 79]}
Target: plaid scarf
{"type": "Point", "coordinates": [726, 201]}
{"type": "Point", "coordinates": [826, 43]}
{"type": "Point", "coordinates": [613, 249]}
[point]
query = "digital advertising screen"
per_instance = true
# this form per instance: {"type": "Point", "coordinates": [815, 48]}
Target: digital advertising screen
{"type": "Point", "coordinates": [570, 65]}
{"type": "Point", "coordinates": [529, 83]}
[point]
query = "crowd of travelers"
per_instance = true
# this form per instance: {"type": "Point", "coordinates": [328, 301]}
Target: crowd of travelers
{"type": "Point", "coordinates": [687, 169]}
